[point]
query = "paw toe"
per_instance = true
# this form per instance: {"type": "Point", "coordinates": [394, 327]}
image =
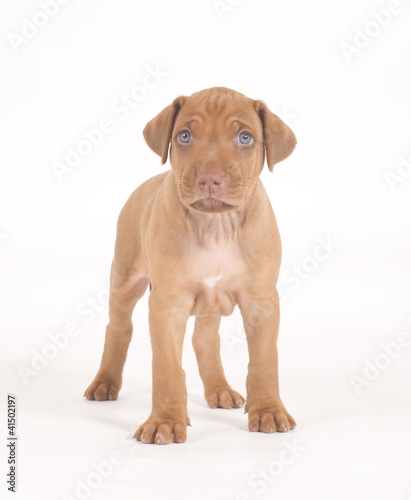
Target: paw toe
{"type": "Point", "coordinates": [161, 432]}
{"type": "Point", "coordinates": [270, 420]}
{"type": "Point", "coordinates": [225, 398]}
{"type": "Point", "coordinates": [102, 391]}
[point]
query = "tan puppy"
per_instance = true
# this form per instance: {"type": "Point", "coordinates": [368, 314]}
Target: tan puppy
{"type": "Point", "coordinates": [204, 236]}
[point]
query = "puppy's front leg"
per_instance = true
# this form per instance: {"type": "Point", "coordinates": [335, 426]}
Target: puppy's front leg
{"type": "Point", "coordinates": [168, 420]}
{"type": "Point", "coordinates": [266, 412]}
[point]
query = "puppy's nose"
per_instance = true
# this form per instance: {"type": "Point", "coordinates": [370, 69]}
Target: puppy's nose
{"type": "Point", "coordinates": [210, 181]}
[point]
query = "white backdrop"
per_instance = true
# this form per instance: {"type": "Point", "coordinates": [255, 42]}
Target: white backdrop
{"type": "Point", "coordinates": [79, 82]}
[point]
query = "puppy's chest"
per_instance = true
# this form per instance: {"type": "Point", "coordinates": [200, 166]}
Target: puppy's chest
{"type": "Point", "coordinates": [217, 273]}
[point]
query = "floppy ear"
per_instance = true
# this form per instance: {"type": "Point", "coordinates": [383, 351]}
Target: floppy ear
{"type": "Point", "coordinates": [157, 132]}
{"type": "Point", "coordinates": [279, 139]}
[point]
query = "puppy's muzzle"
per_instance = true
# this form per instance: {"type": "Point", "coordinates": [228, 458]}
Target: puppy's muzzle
{"type": "Point", "coordinates": [210, 192]}
{"type": "Point", "coordinates": [210, 182]}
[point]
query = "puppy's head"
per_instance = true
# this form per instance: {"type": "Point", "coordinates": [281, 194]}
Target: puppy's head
{"type": "Point", "coordinates": [218, 140]}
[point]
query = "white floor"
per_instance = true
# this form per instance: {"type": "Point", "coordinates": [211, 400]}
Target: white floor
{"type": "Point", "coordinates": [346, 445]}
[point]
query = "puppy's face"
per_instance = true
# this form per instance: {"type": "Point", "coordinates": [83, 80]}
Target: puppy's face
{"type": "Point", "coordinates": [218, 139]}
{"type": "Point", "coordinates": [217, 150]}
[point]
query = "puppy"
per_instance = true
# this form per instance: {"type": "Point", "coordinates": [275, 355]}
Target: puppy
{"type": "Point", "coordinates": [205, 238]}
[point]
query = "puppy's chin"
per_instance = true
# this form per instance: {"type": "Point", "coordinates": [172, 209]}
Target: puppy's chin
{"type": "Point", "coordinates": [211, 206]}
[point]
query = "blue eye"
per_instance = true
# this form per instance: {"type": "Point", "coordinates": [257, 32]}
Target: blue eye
{"type": "Point", "coordinates": [245, 138]}
{"type": "Point", "coordinates": [184, 136]}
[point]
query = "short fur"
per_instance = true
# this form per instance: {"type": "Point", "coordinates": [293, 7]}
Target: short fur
{"type": "Point", "coordinates": [204, 236]}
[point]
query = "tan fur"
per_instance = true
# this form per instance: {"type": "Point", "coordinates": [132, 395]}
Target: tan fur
{"type": "Point", "coordinates": [205, 237]}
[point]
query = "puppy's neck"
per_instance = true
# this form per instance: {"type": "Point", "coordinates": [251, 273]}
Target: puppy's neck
{"type": "Point", "coordinates": [210, 229]}
{"type": "Point", "coordinates": [214, 229]}
{"type": "Point", "coordinates": [218, 229]}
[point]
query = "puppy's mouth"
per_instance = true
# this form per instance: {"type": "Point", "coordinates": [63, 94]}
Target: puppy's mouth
{"type": "Point", "coordinates": [211, 205]}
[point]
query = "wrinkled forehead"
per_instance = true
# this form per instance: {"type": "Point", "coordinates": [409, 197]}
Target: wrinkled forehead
{"type": "Point", "coordinates": [227, 111]}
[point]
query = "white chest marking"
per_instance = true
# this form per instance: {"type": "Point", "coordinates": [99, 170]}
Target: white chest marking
{"type": "Point", "coordinates": [212, 281]}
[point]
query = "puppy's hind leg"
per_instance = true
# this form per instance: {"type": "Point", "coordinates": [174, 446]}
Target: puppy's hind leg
{"type": "Point", "coordinates": [126, 288]}
{"type": "Point", "coordinates": [206, 343]}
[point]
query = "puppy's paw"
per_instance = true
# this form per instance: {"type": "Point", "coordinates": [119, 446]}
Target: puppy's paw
{"type": "Point", "coordinates": [224, 398]}
{"type": "Point", "coordinates": [269, 420]}
{"type": "Point", "coordinates": [162, 430]}
{"type": "Point", "coordinates": [102, 390]}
